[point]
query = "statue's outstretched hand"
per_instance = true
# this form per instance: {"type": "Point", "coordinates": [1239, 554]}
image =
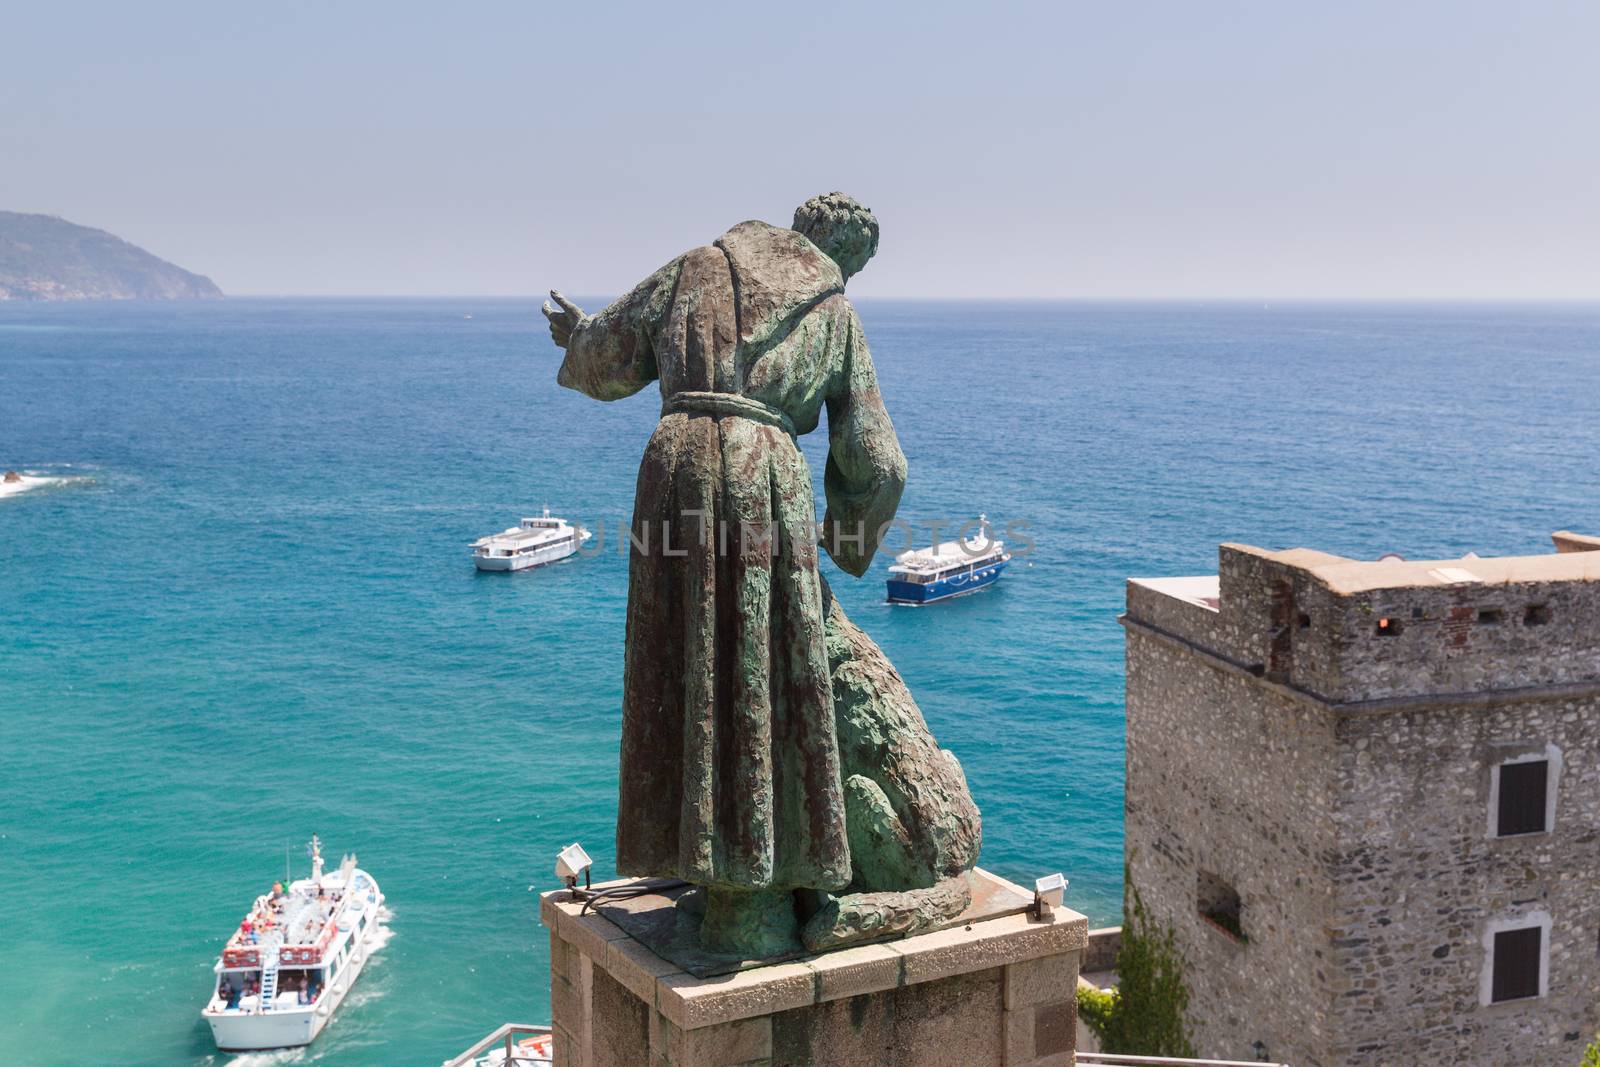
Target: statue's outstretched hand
{"type": "Point", "coordinates": [564, 320]}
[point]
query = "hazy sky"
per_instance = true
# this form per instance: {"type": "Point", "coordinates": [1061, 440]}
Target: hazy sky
{"type": "Point", "coordinates": [1104, 149]}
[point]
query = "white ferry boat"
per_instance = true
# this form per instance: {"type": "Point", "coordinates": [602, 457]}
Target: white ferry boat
{"type": "Point", "coordinates": [285, 970]}
{"type": "Point", "coordinates": [953, 568]}
{"type": "Point", "coordinates": [535, 542]}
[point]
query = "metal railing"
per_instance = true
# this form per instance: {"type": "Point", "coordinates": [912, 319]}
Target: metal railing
{"type": "Point", "coordinates": [1113, 1059]}
{"type": "Point", "coordinates": [511, 1031]}
{"type": "Point", "coordinates": [507, 1033]}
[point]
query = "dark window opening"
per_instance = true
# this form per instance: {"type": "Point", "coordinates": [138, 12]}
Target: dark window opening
{"type": "Point", "coordinates": [1305, 621]}
{"type": "Point", "coordinates": [1523, 798]}
{"type": "Point", "coordinates": [1516, 964]}
{"type": "Point", "coordinates": [1536, 615]}
{"type": "Point", "coordinates": [1220, 905]}
{"type": "Point", "coordinates": [1491, 617]}
{"type": "Point", "coordinates": [1388, 627]}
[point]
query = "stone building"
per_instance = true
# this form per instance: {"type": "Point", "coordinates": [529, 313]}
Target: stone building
{"type": "Point", "coordinates": [1366, 798]}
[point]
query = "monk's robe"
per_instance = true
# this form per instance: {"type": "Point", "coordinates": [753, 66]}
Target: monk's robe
{"type": "Point", "coordinates": [730, 760]}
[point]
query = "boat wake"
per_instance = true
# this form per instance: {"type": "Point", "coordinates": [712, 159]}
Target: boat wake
{"type": "Point", "coordinates": [23, 483]}
{"type": "Point", "coordinates": [268, 1059]}
{"type": "Point", "coordinates": [26, 480]}
{"type": "Point", "coordinates": [359, 997]}
{"type": "Point", "coordinates": [383, 934]}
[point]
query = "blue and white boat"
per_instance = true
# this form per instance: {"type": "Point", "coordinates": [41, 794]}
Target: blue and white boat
{"type": "Point", "coordinates": [953, 568]}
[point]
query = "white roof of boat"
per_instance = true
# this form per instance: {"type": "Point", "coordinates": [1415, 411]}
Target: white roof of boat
{"type": "Point", "coordinates": [949, 553]}
{"type": "Point", "coordinates": [518, 536]}
{"type": "Point", "coordinates": [309, 913]}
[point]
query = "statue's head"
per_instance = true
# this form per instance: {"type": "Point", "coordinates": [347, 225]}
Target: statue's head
{"type": "Point", "coordinates": [842, 228]}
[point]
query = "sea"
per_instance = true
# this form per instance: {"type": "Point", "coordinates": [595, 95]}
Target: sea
{"type": "Point", "coordinates": [244, 611]}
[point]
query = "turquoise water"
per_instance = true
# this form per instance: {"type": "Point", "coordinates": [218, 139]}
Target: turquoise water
{"type": "Point", "coordinates": [249, 613]}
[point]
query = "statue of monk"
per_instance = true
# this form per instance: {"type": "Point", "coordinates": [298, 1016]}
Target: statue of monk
{"type": "Point", "coordinates": [731, 770]}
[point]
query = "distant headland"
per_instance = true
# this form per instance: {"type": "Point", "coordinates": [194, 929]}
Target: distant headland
{"type": "Point", "coordinates": [47, 258]}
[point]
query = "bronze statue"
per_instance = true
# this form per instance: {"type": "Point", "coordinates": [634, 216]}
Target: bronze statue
{"type": "Point", "coordinates": [769, 751]}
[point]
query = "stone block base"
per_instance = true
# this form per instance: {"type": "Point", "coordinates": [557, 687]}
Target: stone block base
{"type": "Point", "coordinates": [999, 991]}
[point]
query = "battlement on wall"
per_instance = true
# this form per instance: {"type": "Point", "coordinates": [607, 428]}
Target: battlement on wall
{"type": "Point", "coordinates": [1354, 631]}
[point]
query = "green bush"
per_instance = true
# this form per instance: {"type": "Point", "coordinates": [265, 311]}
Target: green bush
{"type": "Point", "coordinates": [1591, 1055]}
{"type": "Point", "coordinates": [1096, 1007]}
{"type": "Point", "coordinates": [1146, 1017]}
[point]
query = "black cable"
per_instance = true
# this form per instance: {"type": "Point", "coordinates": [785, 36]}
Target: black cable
{"type": "Point", "coordinates": [643, 887]}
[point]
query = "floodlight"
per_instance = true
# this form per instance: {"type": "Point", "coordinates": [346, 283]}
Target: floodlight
{"type": "Point", "coordinates": [1052, 887]}
{"type": "Point", "coordinates": [572, 862]}
{"type": "Point", "coordinates": [1048, 893]}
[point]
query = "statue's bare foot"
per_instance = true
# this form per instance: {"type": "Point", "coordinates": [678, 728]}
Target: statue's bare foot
{"type": "Point", "coordinates": [858, 917]}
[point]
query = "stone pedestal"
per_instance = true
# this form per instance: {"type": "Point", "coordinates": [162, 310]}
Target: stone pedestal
{"type": "Point", "coordinates": [995, 990]}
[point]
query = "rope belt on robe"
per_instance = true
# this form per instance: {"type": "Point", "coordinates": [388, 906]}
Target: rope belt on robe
{"type": "Point", "coordinates": [727, 404]}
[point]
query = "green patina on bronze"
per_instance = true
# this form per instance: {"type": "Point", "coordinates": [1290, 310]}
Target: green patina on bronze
{"type": "Point", "coordinates": [912, 825]}
{"type": "Point", "coordinates": [770, 752]}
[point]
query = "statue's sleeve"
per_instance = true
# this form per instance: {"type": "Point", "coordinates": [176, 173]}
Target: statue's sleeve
{"type": "Point", "coordinates": [612, 355]}
{"type": "Point", "coordinates": [866, 470]}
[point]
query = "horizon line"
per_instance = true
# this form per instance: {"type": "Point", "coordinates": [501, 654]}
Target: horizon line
{"type": "Point", "coordinates": [1265, 300]}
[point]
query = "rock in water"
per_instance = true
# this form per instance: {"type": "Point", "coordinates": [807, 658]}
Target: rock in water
{"type": "Point", "coordinates": [46, 258]}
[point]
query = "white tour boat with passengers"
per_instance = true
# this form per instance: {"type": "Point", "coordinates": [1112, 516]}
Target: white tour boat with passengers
{"type": "Point", "coordinates": [953, 568]}
{"type": "Point", "coordinates": [285, 970]}
{"type": "Point", "coordinates": [535, 542]}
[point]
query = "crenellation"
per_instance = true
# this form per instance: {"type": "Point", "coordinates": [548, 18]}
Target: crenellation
{"type": "Point", "coordinates": [1468, 638]}
{"type": "Point", "coordinates": [1184, 608]}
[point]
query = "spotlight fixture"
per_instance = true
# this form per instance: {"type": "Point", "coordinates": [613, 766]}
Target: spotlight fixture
{"type": "Point", "coordinates": [1048, 893]}
{"type": "Point", "coordinates": [571, 862]}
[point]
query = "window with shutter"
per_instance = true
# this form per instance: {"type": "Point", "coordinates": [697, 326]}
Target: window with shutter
{"type": "Point", "coordinates": [1517, 958]}
{"type": "Point", "coordinates": [1524, 789]}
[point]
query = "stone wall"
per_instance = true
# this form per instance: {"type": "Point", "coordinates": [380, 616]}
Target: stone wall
{"type": "Point", "coordinates": [1181, 618]}
{"type": "Point", "coordinates": [1224, 776]}
{"type": "Point", "coordinates": [1468, 638]}
{"type": "Point", "coordinates": [1100, 954]}
{"type": "Point", "coordinates": [1443, 639]}
{"type": "Point", "coordinates": [1567, 541]}
{"type": "Point", "coordinates": [1418, 878]}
